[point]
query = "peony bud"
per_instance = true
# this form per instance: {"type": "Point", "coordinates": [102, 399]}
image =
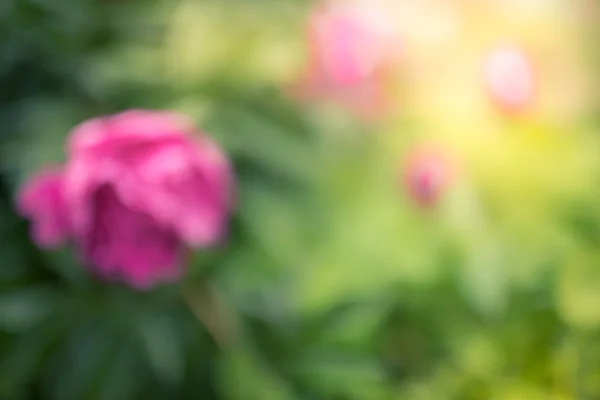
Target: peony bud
{"type": "Point", "coordinates": [427, 173]}
{"type": "Point", "coordinates": [509, 79]}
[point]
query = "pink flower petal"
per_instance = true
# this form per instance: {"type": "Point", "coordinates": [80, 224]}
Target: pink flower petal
{"type": "Point", "coordinates": [42, 201]}
{"type": "Point", "coordinates": [134, 126]}
{"type": "Point", "coordinates": [185, 186]}
{"type": "Point", "coordinates": [129, 245]}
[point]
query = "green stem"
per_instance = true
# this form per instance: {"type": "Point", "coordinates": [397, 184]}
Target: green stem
{"type": "Point", "coordinates": [213, 311]}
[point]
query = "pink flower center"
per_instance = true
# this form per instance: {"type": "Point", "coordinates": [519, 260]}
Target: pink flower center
{"type": "Point", "coordinates": [129, 244]}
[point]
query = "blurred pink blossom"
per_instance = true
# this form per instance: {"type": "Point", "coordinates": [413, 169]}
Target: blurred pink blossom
{"type": "Point", "coordinates": [137, 190]}
{"type": "Point", "coordinates": [427, 173]}
{"type": "Point", "coordinates": [509, 79]}
{"type": "Point", "coordinates": [353, 44]}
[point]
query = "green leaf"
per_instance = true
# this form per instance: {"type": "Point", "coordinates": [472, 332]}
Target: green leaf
{"type": "Point", "coordinates": [125, 373]}
{"type": "Point", "coordinates": [25, 358]}
{"type": "Point", "coordinates": [344, 376]}
{"type": "Point", "coordinates": [22, 309]}
{"type": "Point", "coordinates": [578, 292]}
{"type": "Point", "coordinates": [244, 376]}
{"type": "Point", "coordinates": [64, 263]}
{"type": "Point", "coordinates": [485, 281]}
{"type": "Point", "coordinates": [246, 134]}
{"type": "Point", "coordinates": [355, 328]}
{"type": "Point", "coordinates": [16, 263]}
{"type": "Point", "coordinates": [163, 347]}
{"type": "Point", "coordinates": [79, 363]}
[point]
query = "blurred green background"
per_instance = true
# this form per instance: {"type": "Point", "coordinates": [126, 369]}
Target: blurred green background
{"type": "Point", "coordinates": [333, 284]}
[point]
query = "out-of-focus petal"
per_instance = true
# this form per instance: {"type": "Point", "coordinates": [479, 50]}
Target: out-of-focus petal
{"type": "Point", "coordinates": [130, 245]}
{"type": "Point", "coordinates": [42, 200]}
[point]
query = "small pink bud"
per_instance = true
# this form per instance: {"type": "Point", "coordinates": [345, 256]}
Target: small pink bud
{"type": "Point", "coordinates": [427, 173]}
{"type": "Point", "coordinates": [509, 79]}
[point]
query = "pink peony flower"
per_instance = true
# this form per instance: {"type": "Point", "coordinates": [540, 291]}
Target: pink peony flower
{"type": "Point", "coordinates": [427, 173]}
{"type": "Point", "coordinates": [137, 190]}
{"type": "Point", "coordinates": [352, 46]}
{"type": "Point", "coordinates": [509, 79]}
